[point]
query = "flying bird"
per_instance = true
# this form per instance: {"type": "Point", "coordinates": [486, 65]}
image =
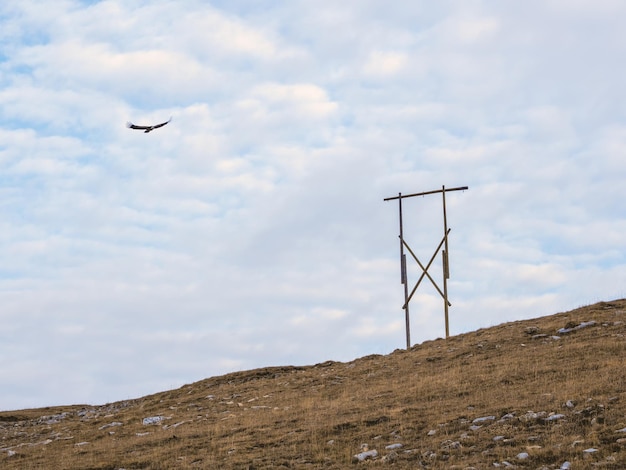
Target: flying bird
{"type": "Point", "coordinates": [146, 129]}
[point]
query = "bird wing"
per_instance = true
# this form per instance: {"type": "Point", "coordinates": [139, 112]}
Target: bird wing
{"type": "Point", "coordinates": [130, 125]}
{"type": "Point", "coordinates": [162, 124]}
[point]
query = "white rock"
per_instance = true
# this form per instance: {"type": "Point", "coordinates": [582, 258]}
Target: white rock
{"type": "Point", "coordinates": [591, 450]}
{"type": "Point", "coordinates": [152, 420]}
{"type": "Point", "coordinates": [582, 325]}
{"type": "Point", "coordinates": [532, 415]}
{"type": "Point", "coordinates": [393, 446]}
{"type": "Point", "coordinates": [370, 454]}
{"type": "Point", "coordinates": [522, 455]}
{"type": "Point", "coordinates": [555, 417]}
{"type": "Point", "coordinates": [114, 423]}
{"type": "Point", "coordinates": [566, 466]}
{"type": "Point", "coordinates": [484, 419]}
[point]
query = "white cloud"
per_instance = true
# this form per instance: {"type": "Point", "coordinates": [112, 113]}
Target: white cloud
{"type": "Point", "coordinates": [251, 230]}
{"type": "Point", "coordinates": [385, 63]}
{"type": "Point", "coordinates": [471, 30]}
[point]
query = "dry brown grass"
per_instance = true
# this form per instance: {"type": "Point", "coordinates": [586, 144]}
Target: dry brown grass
{"type": "Point", "coordinates": [318, 416]}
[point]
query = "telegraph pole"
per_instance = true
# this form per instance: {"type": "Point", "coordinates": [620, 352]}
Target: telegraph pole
{"type": "Point", "coordinates": [403, 278]}
{"type": "Point", "coordinates": [446, 266]}
{"type": "Point", "coordinates": [445, 260]}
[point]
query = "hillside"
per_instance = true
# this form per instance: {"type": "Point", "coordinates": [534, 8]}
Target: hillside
{"type": "Point", "coordinates": [541, 393]}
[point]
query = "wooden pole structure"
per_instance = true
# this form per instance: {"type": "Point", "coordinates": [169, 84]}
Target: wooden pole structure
{"type": "Point", "coordinates": [446, 266]}
{"type": "Point", "coordinates": [403, 277]}
{"type": "Point", "coordinates": [445, 255]}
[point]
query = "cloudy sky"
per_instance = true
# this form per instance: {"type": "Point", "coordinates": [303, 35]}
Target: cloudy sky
{"type": "Point", "coordinates": [251, 231]}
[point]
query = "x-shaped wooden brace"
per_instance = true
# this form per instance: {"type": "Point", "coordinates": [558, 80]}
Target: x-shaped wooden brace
{"type": "Point", "coordinates": [425, 270]}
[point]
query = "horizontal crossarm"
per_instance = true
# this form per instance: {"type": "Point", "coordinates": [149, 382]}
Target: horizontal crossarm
{"type": "Point", "coordinates": [402, 196]}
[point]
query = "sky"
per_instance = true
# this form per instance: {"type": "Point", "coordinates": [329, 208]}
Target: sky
{"type": "Point", "coordinates": [252, 231]}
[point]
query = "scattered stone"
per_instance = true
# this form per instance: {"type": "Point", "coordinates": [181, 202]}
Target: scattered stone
{"type": "Point", "coordinates": [565, 466]}
{"type": "Point", "coordinates": [432, 432]}
{"type": "Point", "coordinates": [393, 446]}
{"type": "Point", "coordinates": [152, 420]}
{"type": "Point", "coordinates": [570, 404]}
{"type": "Point", "coordinates": [53, 419]}
{"type": "Point", "coordinates": [369, 454]}
{"type": "Point", "coordinates": [484, 419]}
{"type": "Point", "coordinates": [522, 456]}
{"type": "Point", "coordinates": [531, 415]}
{"type": "Point", "coordinates": [555, 417]}
{"type": "Point", "coordinates": [110, 425]}
{"type": "Point", "coordinates": [584, 324]}
{"type": "Point", "coordinates": [174, 425]}
{"type": "Point", "coordinates": [591, 450]}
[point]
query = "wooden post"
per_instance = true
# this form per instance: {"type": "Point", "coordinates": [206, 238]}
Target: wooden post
{"type": "Point", "coordinates": [403, 278]}
{"type": "Point", "coordinates": [446, 266]}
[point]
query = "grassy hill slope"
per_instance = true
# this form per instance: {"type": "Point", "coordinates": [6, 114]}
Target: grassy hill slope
{"type": "Point", "coordinates": [537, 394]}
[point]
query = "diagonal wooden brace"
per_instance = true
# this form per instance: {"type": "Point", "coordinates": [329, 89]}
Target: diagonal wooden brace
{"type": "Point", "coordinates": [425, 270]}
